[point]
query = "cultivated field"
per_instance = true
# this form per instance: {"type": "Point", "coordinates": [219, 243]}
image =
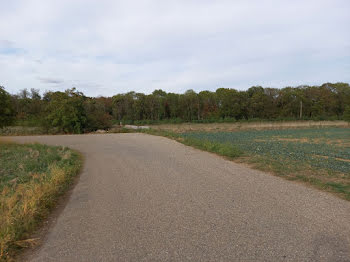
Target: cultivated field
{"type": "Point", "coordinates": [318, 156]}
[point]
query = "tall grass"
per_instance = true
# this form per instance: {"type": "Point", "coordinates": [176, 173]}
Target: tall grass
{"type": "Point", "coordinates": [32, 177]}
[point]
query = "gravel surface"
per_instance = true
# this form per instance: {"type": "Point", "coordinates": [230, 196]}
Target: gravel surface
{"type": "Point", "coordinates": [148, 198]}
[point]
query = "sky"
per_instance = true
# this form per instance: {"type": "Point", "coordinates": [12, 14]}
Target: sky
{"type": "Point", "coordinates": [107, 47]}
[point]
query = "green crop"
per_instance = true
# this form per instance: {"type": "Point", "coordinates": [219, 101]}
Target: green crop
{"type": "Point", "coordinates": [326, 148]}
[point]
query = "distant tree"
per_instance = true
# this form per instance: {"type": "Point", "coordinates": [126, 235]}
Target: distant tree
{"type": "Point", "coordinates": [208, 104]}
{"type": "Point", "coordinates": [190, 104]}
{"type": "Point", "coordinates": [7, 115]}
{"type": "Point", "coordinates": [288, 103]}
{"type": "Point", "coordinates": [72, 112]}
{"type": "Point", "coordinates": [258, 100]}
{"type": "Point", "coordinates": [96, 115]}
{"type": "Point", "coordinates": [347, 114]}
{"type": "Point", "coordinates": [65, 111]}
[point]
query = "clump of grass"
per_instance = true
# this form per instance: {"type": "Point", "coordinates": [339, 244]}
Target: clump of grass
{"type": "Point", "coordinates": [32, 177]}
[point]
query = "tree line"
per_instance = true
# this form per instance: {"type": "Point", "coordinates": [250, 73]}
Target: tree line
{"type": "Point", "coordinates": [73, 112]}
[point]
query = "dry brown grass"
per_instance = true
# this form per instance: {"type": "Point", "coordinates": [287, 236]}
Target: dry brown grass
{"type": "Point", "coordinates": [213, 127]}
{"type": "Point", "coordinates": [20, 209]}
{"type": "Point", "coordinates": [23, 205]}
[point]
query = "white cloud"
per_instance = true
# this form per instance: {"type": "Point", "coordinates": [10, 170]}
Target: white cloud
{"type": "Point", "coordinates": [108, 47]}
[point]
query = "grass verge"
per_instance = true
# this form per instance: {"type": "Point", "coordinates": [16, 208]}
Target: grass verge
{"type": "Point", "coordinates": [326, 179]}
{"type": "Point", "coordinates": [331, 181]}
{"type": "Point", "coordinates": [32, 177]}
{"type": "Point", "coordinates": [226, 150]}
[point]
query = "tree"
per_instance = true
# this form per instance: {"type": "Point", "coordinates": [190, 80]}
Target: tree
{"type": "Point", "coordinates": [347, 114]}
{"type": "Point", "coordinates": [208, 104]}
{"type": "Point", "coordinates": [258, 100]}
{"type": "Point", "coordinates": [6, 110]}
{"type": "Point", "coordinates": [96, 115]}
{"type": "Point", "coordinates": [71, 111]}
{"type": "Point", "coordinates": [66, 111]}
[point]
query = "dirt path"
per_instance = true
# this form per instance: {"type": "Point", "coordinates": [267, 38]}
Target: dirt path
{"type": "Point", "coordinates": [147, 198]}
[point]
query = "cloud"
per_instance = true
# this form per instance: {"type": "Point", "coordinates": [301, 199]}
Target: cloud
{"type": "Point", "coordinates": [108, 47]}
{"type": "Point", "coordinates": [8, 48]}
{"type": "Point", "coordinates": [47, 80]}
{"type": "Point", "coordinates": [6, 43]}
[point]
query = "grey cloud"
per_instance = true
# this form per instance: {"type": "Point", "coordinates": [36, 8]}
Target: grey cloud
{"type": "Point", "coordinates": [143, 45]}
{"type": "Point", "coordinates": [6, 43]}
{"type": "Point", "coordinates": [48, 80]}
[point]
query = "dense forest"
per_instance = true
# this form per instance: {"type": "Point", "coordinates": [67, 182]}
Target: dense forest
{"type": "Point", "coordinates": [73, 112]}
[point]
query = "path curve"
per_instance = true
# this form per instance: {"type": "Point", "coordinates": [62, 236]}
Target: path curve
{"type": "Point", "coordinates": [148, 198]}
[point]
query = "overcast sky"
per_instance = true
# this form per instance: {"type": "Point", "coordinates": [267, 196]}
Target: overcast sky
{"type": "Point", "coordinates": [109, 47]}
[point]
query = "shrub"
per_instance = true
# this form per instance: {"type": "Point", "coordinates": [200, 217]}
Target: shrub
{"type": "Point", "coordinates": [7, 115]}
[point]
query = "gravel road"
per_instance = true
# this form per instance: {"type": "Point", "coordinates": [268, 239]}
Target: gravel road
{"type": "Point", "coordinates": [148, 198]}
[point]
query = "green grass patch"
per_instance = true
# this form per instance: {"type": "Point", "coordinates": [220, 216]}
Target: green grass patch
{"type": "Point", "coordinates": [32, 177]}
{"type": "Point", "coordinates": [227, 150]}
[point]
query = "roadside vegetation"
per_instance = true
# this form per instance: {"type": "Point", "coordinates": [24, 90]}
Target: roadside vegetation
{"type": "Point", "coordinates": [319, 157]}
{"type": "Point", "coordinates": [73, 112]}
{"type": "Point", "coordinates": [32, 177]}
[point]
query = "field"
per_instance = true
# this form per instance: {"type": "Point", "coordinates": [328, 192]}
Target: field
{"type": "Point", "coordinates": [317, 156]}
{"type": "Point", "coordinates": [32, 177]}
{"type": "Point", "coordinates": [255, 125]}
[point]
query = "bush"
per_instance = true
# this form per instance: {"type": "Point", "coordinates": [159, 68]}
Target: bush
{"type": "Point", "coordinates": [66, 112]}
{"type": "Point", "coordinates": [7, 115]}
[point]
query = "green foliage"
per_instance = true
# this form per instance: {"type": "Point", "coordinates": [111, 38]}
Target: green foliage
{"type": "Point", "coordinates": [7, 115]}
{"type": "Point", "coordinates": [66, 111]}
{"type": "Point", "coordinates": [97, 117]}
{"type": "Point", "coordinates": [347, 114]}
{"type": "Point", "coordinates": [72, 112]}
{"type": "Point", "coordinates": [304, 102]}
